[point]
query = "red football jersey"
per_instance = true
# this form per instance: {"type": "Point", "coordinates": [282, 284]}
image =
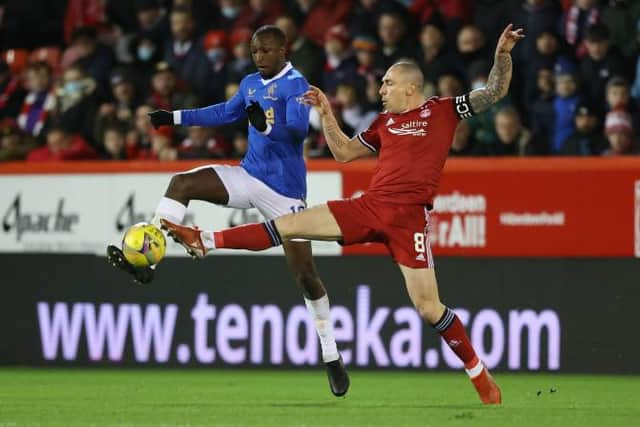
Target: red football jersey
{"type": "Point", "coordinates": [413, 147]}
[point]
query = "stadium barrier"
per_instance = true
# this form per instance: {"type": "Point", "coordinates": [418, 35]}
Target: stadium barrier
{"type": "Point", "coordinates": [543, 315]}
{"type": "Point", "coordinates": [534, 207]}
{"type": "Point", "coordinates": [536, 253]}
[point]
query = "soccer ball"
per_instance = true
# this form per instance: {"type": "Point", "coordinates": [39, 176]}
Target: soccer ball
{"type": "Point", "coordinates": [143, 244]}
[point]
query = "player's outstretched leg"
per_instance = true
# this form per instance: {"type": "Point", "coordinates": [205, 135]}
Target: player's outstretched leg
{"type": "Point", "coordinates": [140, 274]}
{"type": "Point", "coordinates": [423, 291]}
{"type": "Point", "coordinates": [452, 331]}
{"type": "Point", "coordinates": [189, 237]}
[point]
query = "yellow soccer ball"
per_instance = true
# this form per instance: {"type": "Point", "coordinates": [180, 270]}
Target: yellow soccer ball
{"type": "Point", "coordinates": [143, 244]}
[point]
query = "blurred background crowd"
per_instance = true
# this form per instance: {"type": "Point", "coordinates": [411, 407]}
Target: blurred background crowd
{"type": "Point", "coordinates": [78, 77]}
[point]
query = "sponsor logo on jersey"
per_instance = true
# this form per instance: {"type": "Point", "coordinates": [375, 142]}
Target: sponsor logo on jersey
{"type": "Point", "coordinates": [251, 92]}
{"type": "Point", "coordinates": [390, 121]}
{"type": "Point", "coordinates": [420, 257]}
{"type": "Point", "coordinates": [271, 92]}
{"type": "Point", "coordinates": [412, 127]}
{"type": "Point", "coordinates": [425, 112]}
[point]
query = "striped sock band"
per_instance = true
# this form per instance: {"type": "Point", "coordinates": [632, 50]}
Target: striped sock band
{"type": "Point", "coordinates": [445, 321]}
{"type": "Point", "coordinates": [270, 226]}
{"type": "Point", "coordinates": [474, 368]}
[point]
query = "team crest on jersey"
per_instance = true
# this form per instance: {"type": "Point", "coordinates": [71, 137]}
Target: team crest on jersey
{"type": "Point", "coordinates": [425, 113]}
{"type": "Point", "coordinates": [271, 92]}
{"type": "Point", "coordinates": [412, 127]}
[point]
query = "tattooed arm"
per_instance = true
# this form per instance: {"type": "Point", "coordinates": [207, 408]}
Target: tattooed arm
{"type": "Point", "coordinates": [343, 148]}
{"type": "Point", "coordinates": [500, 75]}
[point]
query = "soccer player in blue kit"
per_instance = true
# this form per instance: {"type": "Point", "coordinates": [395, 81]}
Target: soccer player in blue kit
{"type": "Point", "coordinates": [271, 176]}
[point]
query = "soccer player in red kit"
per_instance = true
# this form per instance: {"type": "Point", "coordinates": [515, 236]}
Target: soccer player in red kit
{"type": "Point", "coordinates": [412, 138]}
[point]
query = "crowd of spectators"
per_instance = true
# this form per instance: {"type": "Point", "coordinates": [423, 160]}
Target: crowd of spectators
{"type": "Point", "coordinates": [78, 77]}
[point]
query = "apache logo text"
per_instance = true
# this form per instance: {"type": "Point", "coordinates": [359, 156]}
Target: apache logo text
{"type": "Point", "coordinates": [37, 222]}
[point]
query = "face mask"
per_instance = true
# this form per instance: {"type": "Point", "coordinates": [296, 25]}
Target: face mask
{"type": "Point", "coordinates": [216, 55]}
{"type": "Point", "coordinates": [478, 84]}
{"type": "Point", "coordinates": [145, 53]}
{"type": "Point", "coordinates": [230, 12]}
{"type": "Point", "coordinates": [73, 87]}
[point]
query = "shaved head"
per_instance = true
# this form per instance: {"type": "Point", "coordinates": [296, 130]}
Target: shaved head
{"type": "Point", "coordinates": [411, 73]}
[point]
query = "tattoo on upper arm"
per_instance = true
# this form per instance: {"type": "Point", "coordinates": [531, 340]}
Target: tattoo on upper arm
{"type": "Point", "coordinates": [497, 84]}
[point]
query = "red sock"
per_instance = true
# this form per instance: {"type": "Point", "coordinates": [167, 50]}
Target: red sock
{"type": "Point", "coordinates": [452, 331]}
{"type": "Point", "coordinates": [255, 237]}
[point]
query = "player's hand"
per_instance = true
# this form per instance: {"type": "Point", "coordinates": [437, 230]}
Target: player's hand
{"type": "Point", "coordinates": [316, 98]}
{"type": "Point", "coordinates": [256, 115]}
{"type": "Point", "coordinates": [508, 39]}
{"type": "Point", "coordinates": [161, 118]}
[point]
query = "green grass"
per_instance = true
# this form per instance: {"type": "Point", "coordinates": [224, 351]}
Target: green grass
{"type": "Point", "coordinates": [80, 397]}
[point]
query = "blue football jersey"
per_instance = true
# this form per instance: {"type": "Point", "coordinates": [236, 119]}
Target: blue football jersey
{"type": "Point", "coordinates": [275, 156]}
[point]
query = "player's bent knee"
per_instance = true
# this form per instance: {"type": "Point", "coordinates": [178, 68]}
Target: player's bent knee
{"type": "Point", "coordinates": [179, 186]}
{"type": "Point", "coordinates": [430, 310]}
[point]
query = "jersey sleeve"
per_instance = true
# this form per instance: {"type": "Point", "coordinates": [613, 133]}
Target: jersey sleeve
{"type": "Point", "coordinates": [218, 114]}
{"type": "Point", "coordinates": [369, 137]}
{"type": "Point", "coordinates": [296, 124]}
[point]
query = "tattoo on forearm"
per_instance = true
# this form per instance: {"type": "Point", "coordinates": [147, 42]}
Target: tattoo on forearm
{"type": "Point", "coordinates": [497, 84]}
{"type": "Point", "coordinates": [336, 139]}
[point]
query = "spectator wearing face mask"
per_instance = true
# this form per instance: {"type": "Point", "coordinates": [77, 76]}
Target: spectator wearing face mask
{"type": "Point", "coordinates": [145, 55]}
{"type": "Point", "coordinates": [230, 10]}
{"type": "Point", "coordinates": [241, 63]}
{"type": "Point", "coordinates": [77, 102]}
{"type": "Point", "coordinates": [483, 130]}
{"type": "Point", "coordinates": [215, 43]}
{"type": "Point", "coordinates": [153, 22]}
{"type": "Point", "coordinates": [93, 56]}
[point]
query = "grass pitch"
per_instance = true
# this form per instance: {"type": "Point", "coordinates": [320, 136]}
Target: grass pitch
{"type": "Point", "coordinates": [79, 397]}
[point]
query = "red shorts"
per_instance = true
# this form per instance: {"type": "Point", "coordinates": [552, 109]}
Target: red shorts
{"type": "Point", "coordinates": [402, 228]}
